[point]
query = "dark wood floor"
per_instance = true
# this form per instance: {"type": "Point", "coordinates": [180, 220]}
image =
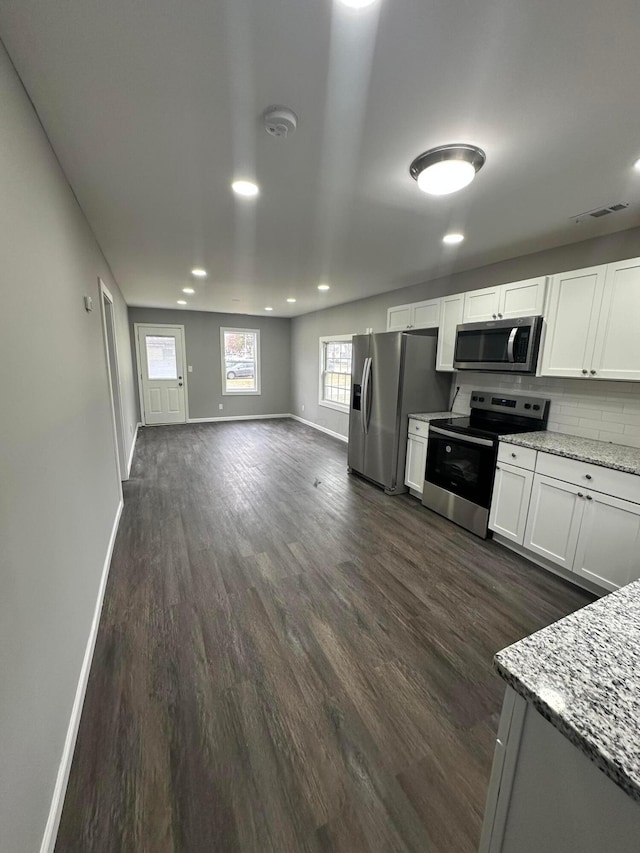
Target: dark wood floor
{"type": "Point", "coordinates": [290, 666]}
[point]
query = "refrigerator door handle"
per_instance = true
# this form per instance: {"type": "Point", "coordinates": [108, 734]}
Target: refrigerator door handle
{"type": "Point", "coordinates": [365, 408]}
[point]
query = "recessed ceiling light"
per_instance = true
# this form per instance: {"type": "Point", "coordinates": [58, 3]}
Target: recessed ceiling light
{"type": "Point", "coordinates": [268, 308]}
{"type": "Point", "coordinates": [357, 4]}
{"type": "Point", "coordinates": [450, 239]}
{"type": "Point", "coordinates": [636, 165]}
{"type": "Point", "coordinates": [291, 299]}
{"type": "Point", "coordinates": [199, 272]}
{"type": "Point", "coordinates": [182, 301]}
{"type": "Point", "coordinates": [246, 188]}
{"type": "Point", "coordinates": [188, 290]}
{"type": "Point", "coordinates": [323, 287]}
{"type": "Point", "coordinates": [447, 169]}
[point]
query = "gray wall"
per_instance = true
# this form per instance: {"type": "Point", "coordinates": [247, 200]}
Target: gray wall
{"type": "Point", "coordinates": [58, 486]}
{"type": "Point", "coordinates": [356, 317]}
{"type": "Point", "coordinates": [202, 343]}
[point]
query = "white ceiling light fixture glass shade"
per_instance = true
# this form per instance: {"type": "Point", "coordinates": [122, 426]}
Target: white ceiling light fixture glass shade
{"type": "Point", "coordinates": [447, 169]}
{"type": "Point", "coordinates": [248, 189]}
{"type": "Point", "coordinates": [199, 272]}
{"type": "Point", "coordinates": [453, 238]}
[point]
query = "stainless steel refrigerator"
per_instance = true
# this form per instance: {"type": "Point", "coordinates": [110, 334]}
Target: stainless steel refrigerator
{"type": "Point", "coordinates": [392, 375]}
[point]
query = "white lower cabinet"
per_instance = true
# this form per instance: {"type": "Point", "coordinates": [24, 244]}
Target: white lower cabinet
{"type": "Point", "coordinates": [416, 463]}
{"type": "Point", "coordinates": [553, 522]}
{"type": "Point", "coordinates": [510, 503]}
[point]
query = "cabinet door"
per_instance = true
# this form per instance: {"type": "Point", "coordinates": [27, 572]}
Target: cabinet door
{"type": "Point", "coordinates": [572, 319]}
{"type": "Point", "coordinates": [522, 298]}
{"type": "Point", "coordinates": [510, 501]}
{"type": "Point", "coordinates": [426, 315]}
{"type": "Point", "coordinates": [608, 550]}
{"type": "Point", "coordinates": [450, 316]}
{"type": "Point", "coordinates": [399, 318]}
{"type": "Point", "coordinates": [481, 305]}
{"type": "Point", "coordinates": [416, 463]}
{"type": "Point", "coordinates": [553, 523]}
{"type": "Point", "coordinates": [617, 354]}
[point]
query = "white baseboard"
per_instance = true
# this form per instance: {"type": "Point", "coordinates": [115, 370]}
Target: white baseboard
{"type": "Point", "coordinates": [133, 447]}
{"type": "Point", "coordinates": [55, 811]}
{"type": "Point", "coordinates": [236, 418]}
{"type": "Point", "coordinates": [328, 431]}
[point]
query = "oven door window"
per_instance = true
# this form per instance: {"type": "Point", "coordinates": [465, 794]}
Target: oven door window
{"type": "Point", "coordinates": [461, 467]}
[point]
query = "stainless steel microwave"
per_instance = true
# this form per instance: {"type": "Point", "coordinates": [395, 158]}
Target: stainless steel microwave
{"type": "Point", "coordinates": [500, 346]}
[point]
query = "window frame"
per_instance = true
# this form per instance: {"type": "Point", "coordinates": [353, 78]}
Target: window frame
{"type": "Point", "coordinates": [330, 404]}
{"type": "Point", "coordinates": [223, 368]}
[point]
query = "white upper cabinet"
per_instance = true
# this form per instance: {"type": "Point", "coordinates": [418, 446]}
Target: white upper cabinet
{"type": "Point", "coordinates": [572, 315]}
{"type": "Point", "coordinates": [505, 301]}
{"type": "Point", "coordinates": [416, 315]}
{"type": "Point", "coordinates": [451, 309]}
{"type": "Point", "coordinates": [617, 350]}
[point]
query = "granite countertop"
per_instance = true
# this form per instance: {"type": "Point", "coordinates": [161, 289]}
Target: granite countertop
{"type": "Point", "coordinates": [617, 456]}
{"type": "Point", "coordinates": [583, 675]}
{"type": "Point", "coordinates": [432, 416]}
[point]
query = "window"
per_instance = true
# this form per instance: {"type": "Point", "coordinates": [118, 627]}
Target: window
{"type": "Point", "coordinates": [335, 372]}
{"type": "Point", "coordinates": [240, 350]}
{"type": "Point", "coordinates": [161, 357]}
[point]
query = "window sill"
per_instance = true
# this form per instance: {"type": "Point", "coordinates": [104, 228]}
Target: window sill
{"type": "Point", "coordinates": [338, 407]}
{"type": "Point", "coordinates": [242, 393]}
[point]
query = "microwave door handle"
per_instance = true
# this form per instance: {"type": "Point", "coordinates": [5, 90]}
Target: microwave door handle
{"type": "Point", "coordinates": [469, 439]}
{"type": "Point", "coordinates": [510, 344]}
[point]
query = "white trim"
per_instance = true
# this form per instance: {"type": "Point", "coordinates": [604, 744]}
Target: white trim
{"type": "Point", "coordinates": [238, 418]}
{"type": "Point", "coordinates": [223, 364]}
{"type": "Point", "coordinates": [328, 431]}
{"type": "Point", "coordinates": [55, 810]}
{"type": "Point", "coordinates": [133, 447]}
{"type": "Point", "coordinates": [113, 380]}
{"type": "Point", "coordinates": [185, 368]}
{"type": "Point", "coordinates": [345, 408]}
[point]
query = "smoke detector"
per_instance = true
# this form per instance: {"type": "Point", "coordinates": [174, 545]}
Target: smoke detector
{"type": "Point", "coordinates": [279, 121]}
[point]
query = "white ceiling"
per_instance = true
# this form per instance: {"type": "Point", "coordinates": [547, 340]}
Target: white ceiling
{"type": "Point", "coordinates": [153, 107]}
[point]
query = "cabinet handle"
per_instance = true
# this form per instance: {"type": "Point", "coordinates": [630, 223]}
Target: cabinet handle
{"type": "Point", "coordinates": [588, 477]}
{"type": "Point", "coordinates": [513, 455]}
{"type": "Point", "coordinates": [497, 467]}
{"type": "Point", "coordinates": [589, 498]}
{"type": "Point", "coordinates": [500, 316]}
{"type": "Point", "coordinates": [585, 372]}
{"type": "Point", "coordinates": [580, 495]}
{"type": "Point", "coordinates": [593, 373]}
{"type": "Point", "coordinates": [494, 316]}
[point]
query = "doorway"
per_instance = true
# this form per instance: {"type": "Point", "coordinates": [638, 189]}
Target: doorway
{"type": "Point", "coordinates": [161, 375]}
{"type": "Point", "coordinates": [113, 373]}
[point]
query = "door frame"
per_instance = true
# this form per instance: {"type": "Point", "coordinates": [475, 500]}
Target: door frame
{"type": "Point", "coordinates": [136, 328]}
{"type": "Point", "coordinates": [113, 381]}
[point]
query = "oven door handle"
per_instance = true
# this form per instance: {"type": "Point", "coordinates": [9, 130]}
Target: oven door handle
{"type": "Point", "coordinates": [510, 344]}
{"type": "Point", "coordinates": [469, 439]}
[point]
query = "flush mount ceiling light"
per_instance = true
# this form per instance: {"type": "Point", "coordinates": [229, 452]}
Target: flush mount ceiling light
{"type": "Point", "coordinates": [357, 4]}
{"type": "Point", "coordinates": [636, 165]}
{"type": "Point", "coordinates": [188, 290]}
{"type": "Point", "coordinates": [452, 239]}
{"type": "Point", "coordinates": [199, 272]}
{"type": "Point", "coordinates": [245, 188]}
{"type": "Point", "coordinates": [268, 308]}
{"type": "Point", "coordinates": [182, 301]}
{"type": "Point", "coordinates": [323, 287]}
{"type": "Point", "coordinates": [291, 299]}
{"type": "Point", "coordinates": [447, 169]}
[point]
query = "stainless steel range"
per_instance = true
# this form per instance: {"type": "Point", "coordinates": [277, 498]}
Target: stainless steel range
{"type": "Point", "coordinates": [461, 455]}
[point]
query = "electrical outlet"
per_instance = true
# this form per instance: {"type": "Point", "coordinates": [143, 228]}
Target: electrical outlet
{"type": "Point", "coordinates": [302, 407]}
{"type": "Point", "coordinates": [190, 368]}
{"type": "Point", "coordinates": [221, 406]}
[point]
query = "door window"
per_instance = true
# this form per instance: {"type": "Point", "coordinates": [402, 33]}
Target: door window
{"type": "Point", "coordinates": [162, 362]}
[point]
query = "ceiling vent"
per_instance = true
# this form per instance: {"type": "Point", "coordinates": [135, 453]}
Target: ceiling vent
{"type": "Point", "coordinates": [599, 212]}
{"type": "Point", "coordinates": [279, 121]}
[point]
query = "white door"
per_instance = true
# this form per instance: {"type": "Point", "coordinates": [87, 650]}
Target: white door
{"type": "Point", "coordinates": [426, 315]}
{"type": "Point", "coordinates": [161, 372]}
{"type": "Point", "coordinates": [450, 316]}
{"type": "Point", "coordinates": [608, 550]}
{"type": "Point", "coordinates": [522, 298]}
{"type": "Point", "coordinates": [572, 319]}
{"type": "Point", "coordinates": [481, 305]}
{"type": "Point", "coordinates": [553, 523]}
{"type": "Point", "coordinates": [416, 463]}
{"type": "Point", "coordinates": [617, 354]}
{"type": "Point", "coordinates": [399, 318]}
{"type": "Point", "coordinates": [510, 501]}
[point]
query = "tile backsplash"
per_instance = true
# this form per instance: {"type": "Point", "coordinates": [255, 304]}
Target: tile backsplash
{"type": "Point", "coordinates": [591, 408]}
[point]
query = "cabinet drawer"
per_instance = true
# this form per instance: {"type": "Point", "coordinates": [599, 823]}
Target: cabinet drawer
{"type": "Point", "coordinates": [523, 457]}
{"type": "Point", "coordinates": [418, 428]}
{"type": "Point", "coordinates": [588, 476]}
